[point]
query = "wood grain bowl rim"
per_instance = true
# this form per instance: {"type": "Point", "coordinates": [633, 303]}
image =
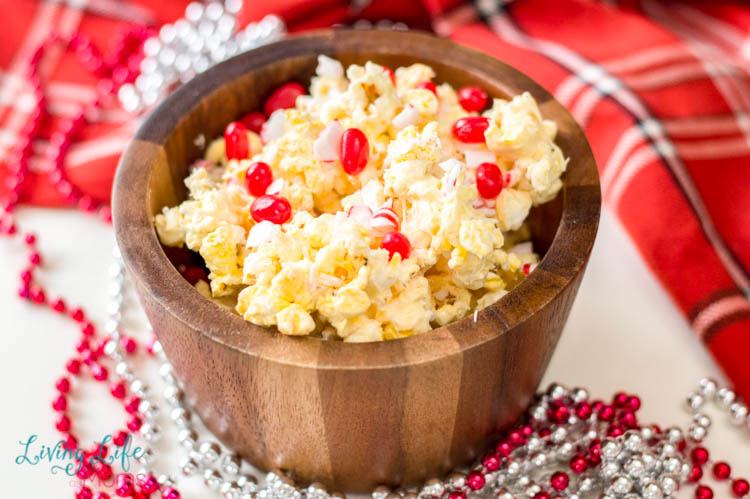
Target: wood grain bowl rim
{"type": "Point", "coordinates": [155, 275]}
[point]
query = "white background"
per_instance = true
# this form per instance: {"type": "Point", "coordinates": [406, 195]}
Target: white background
{"type": "Point", "coordinates": [623, 334]}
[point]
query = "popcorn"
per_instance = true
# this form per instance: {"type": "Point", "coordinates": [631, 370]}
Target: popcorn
{"type": "Point", "coordinates": [324, 272]}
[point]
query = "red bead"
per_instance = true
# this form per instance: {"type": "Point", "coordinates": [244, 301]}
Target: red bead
{"type": "Point", "coordinates": [703, 492]}
{"type": "Point", "coordinates": [37, 294]}
{"type": "Point", "coordinates": [354, 151]}
{"type": "Point", "coordinates": [699, 455]}
{"type": "Point", "coordinates": [491, 462]}
{"type": "Point", "coordinates": [258, 177]}
{"type": "Point", "coordinates": [30, 239]}
{"type": "Point", "coordinates": [578, 463]}
{"type": "Point", "coordinates": [271, 207]}
{"type": "Point", "coordinates": [82, 345]}
{"type": "Point", "coordinates": [620, 399]}
{"type": "Point", "coordinates": [504, 449]}
{"type": "Point", "coordinates": [60, 403]}
{"type": "Point", "coordinates": [695, 474]}
{"type": "Point", "coordinates": [63, 385]}
{"type": "Point", "coordinates": [615, 430]}
{"type": "Point", "coordinates": [475, 480]}
{"type": "Point", "coordinates": [134, 424]}
{"type": "Point", "coordinates": [73, 366]}
{"type": "Point", "coordinates": [77, 314]}
{"type": "Point", "coordinates": [23, 292]}
{"type": "Point", "coordinates": [516, 438]}
{"type": "Point", "coordinates": [85, 471]}
{"type": "Point", "coordinates": [118, 390]}
{"type": "Point", "coordinates": [607, 413]}
{"type": "Point", "coordinates": [472, 98]}
{"type": "Point", "coordinates": [170, 493]}
{"type": "Point", "coordinates": [35, 258]}
{"type": "Point", "coordinates": [148, 484]}
{"type": "Point", "coordinates": [284, 97]}
{"type": "Point", "coordinates": [99, 372]}
{"type": "Point", "coordinates": [236, 140]}
{"type": "Point", "coordinates": [628, 419]}
{"type": "Point", "coordinates": [124, 485]}
{"type": "Point", "coordinates": [740, 487]}
{"type": "Point", "coordinates": [559, 480]}
{"type": "Point", "coordinates": [131, 406]}
{"type": "Point", "coordinates": [527, 430]}
{"type": "Point", "coordinates": [396, 242]}
{"type": "Point", "coordinates": [594, 455]}
{"type": "Point", "coordinates": [470, 129]}
{"type": "Point", "coordinates": [71, 442]}
{"type": "Point", "coordinates": [88, 329]}
{"type": "Point", "coordinates": [63, 424]}
{"type": "Point", "coordinates": [542, 495]}
{"type": "Point", "coordinates": [253, 121]}
{"type": "Point", "coordinates": [633, 403]}
{"type": "Point", "coordinates": [456, 494]}
{"type": "Point", "coordinates": [561, 414]}
{"type": "Point", "coordinates": [101, 495]}
{"type": "Point", "coordinates": [84, 493]}
{"type": "Point", "coordinates": [428, 85]}
{"type": "Point", "coordinates": [103, 470]}
{"type": "Point", "coordinates": [583, 410]}
{"type": "Point", "coordinates": [194, 274]}
{"type": "Point", "coordinates": [128, 344]}
{"type": "Point", "coordinates": [489, 180]}
{"type": "Point", "coordinates": [86, 204]}
{"type": "Point", "coordinates": [26, 276]}
{"type": "Point", "coordinates": [390, 74]}
{"type": "Point", "coordinates": [722, 470]}
{"type": "Point", "coordinates": [120, 438]}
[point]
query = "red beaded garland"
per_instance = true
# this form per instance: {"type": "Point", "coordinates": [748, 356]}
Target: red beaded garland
{"type": "Point", "coordinates": [559, 480]}
{"type": "Point", "coordinates": [722, 470]}
{"type": "Point", "coordinates": [578, 463]}
{"type": "Point", "coordinates": [699, 455]}
{"type": "Point", "coordinates": [740, 487]}
{"type": "Point", "coordinates": [475, 480]}
{"type": "Point", "coordinates": [703, 492]}
{"type": "Point", "coordinates": [696, 473]}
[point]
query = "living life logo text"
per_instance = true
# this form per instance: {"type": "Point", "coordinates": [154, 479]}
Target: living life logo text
{"type": "Point", "coordinates": [69, 460]}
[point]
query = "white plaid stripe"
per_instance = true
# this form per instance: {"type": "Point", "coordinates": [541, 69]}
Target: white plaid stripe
{"type": "Point", "coordinates": [655, 133]}
{"type": "Point", "coordinates": [717, 311]}
{"type": "Point", "coordinates": [722, 32]}
{"type": "Point", "coordinates": [704, 125]}
{"type": "Point", "coordinates": [652, 56]}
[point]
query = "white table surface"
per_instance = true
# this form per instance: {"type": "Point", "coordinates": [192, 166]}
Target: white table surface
{"type": "Point", "coordinates": [623, 334]}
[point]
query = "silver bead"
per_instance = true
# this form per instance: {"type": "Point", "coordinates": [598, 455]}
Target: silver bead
{"type": "Point", "coordinates": [248, 483]}
{"type": "Point", "coordinates": [513, 468]}
{"type": "Point", "coordinates": [610, 448]}
{"type": "Point", "coordinates": [702, 420]}
{"type": "Point", "coordinates": [381, 492]}
{"type": "Point", "coordinates": [523, 480]}
{"type": "Point", "coordinates": [316, 491]}
{"type": "Point", "coordinates": [649, 461]}
{"type": "Point", "coordinates": [668, 486]}
{"type": "Point", "coordinates": [539, 460]}
{"type": "Point", "coordinates": [672, 465]}
{"type": "Point", "coordinates": [559, 435]}
{"type": "Point", "coordinates": [725, 397]}
{"type": "Point", "coordinates": [556, 391]}
{"type": "Point", "coordinates": [150, 432]}
{"type": "Point", "coordinates": [738, 413]}
{"type": "Point", "coordinates": [697, 432]}
{"type": "Point", "coordinates": [610, 469]}
{"type": "Point", "coordinates": [146, 458]}
{"type": "Point", "coordinates": [565, 451]}
{"type": "Point", "coordinates": [179, 413]}
{"type": "Point", "coordinates": [138, 388]}
{"type": "Point", "coordinates": [210, 452]}
{"type": "Point", "coordinates": [212, 479]}
{"type": "Point", "coordinates": [194, 12]}
{"type": "Point", "coordinates": [635, 467]}
{"type": "Point", "coordinates": [647, 433]}
{"type": "Point", "coordinates": [674, 434]}
{"type": "Point", "coordinates": [532, 489]}
{"type": "Point", "coordinates": [533, 444]}
{"type": "Point", "coordinates": [188, 466]}
{"type": "Point", "coordinates": [708, 387]}
{"type": "Point", "coordinates": [187, 437]}
{"type": "Point", "coordinates": [165, 480]}
{"type": "Point", "coordinates": [632, 440]}
{"type": "Point", "coordinates": [456, 480]}
{"type": "Point", "coordinates": [121, 368]}
{"type": "Point", "coordinates": [174, 395]}
{"type": "Point", "coordinates": [165, 370]}
{"type": "Point", "coordinates": [110, 348]}
{"type": "Point", "coordinates": [579, 394]}
{"type": "Point", "coordinates": [214, 11]}
{"type": "Point", "coordinates": [622, 484]}
{"type": "Point", "coordinates": [585, 484]}
{"type": "Point", "coordinates": [231, 464]}
{"type": "Point", "coordinates": [432, 487]}
{"type": "Point", "coordinates": [694, 401]}
{"type": "Point", "coordinates": [230, 490]}
{"type": "Point", "coordinates": [505, 494]}
{"type": "Point", "coordinates": [539, 413]}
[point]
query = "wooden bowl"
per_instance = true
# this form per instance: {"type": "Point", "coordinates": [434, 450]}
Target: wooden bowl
{"type": "Point", "coordinates": [352, 416]}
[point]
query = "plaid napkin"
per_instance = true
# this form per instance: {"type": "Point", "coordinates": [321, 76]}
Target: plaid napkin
{"type": "Point", "coordinates": [662, 89]}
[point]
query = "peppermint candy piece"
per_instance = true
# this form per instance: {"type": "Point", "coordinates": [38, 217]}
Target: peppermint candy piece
{"type": "Point", "coordinates": [360, 214]}
{"type": "Point", "coordinates": [261, 232]}
{"type": "Point", "coordinates": [274, 127]}
{"type": "Point", "coordinates": [407, 117]}
{"type": "Point", "coordinates": [326, 146]}
{"type": "Point", "coordinates": [384, 220]}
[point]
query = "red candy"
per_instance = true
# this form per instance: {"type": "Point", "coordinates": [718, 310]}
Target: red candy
{"type": "Point", "coordinates": [722, 470]}
{"type": "Point", "coordinates": [470, 129]}
{"type": "Point", "coordinates": [428, 85]}
{"type": "Point", "coordinates": [271, 207]}
{"type": "Point", "coordinates": [396, 242]}
{"type": "Point", "coordinates": [283, 97]}
{"type": "Point", "coordinates": [740, 487]}
{"type": "Point", "coordinates": [354, 151]}
{"type": "Point", "coordinates": [254, 121]}
{"type": "Point", "coordinates": [489, 180]}
{"type": "Point", "coordinates": [237, 142]}
{"type": "Point", "coordinates": [473, 99]}
{"type": "Point", "coordinates": [257, 178]}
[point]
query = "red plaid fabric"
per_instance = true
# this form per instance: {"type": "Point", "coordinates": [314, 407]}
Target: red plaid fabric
{"type": "Point", "coordinates": [662, 89]}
